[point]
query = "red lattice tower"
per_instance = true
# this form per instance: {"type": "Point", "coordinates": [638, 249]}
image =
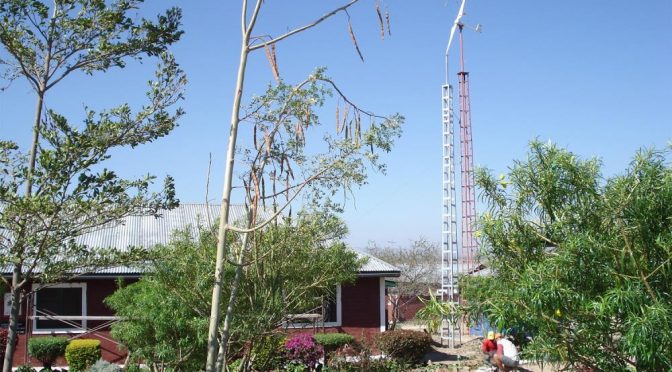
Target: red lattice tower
{"type": "Point", "coordinates": [469, 245]}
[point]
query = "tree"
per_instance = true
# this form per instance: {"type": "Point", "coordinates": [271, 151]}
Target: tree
{"type": "Point", "coordinates": [581, 262]}
{"type": "Point", "coordinates": [278, 164]}
{"type": "Point", "coordinates": [420, 271]}
{"type": "Point", "coordinates": [292, 265]}
{"type": "Point", "coordinates": [58, 188]}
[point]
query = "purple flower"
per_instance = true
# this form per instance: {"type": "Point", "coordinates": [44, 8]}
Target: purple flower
{"type": "Point", "coordinates": [302, 348]}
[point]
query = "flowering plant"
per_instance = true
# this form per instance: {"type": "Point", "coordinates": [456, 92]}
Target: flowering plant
{"type": "Point", "coordinates": [302, 348]}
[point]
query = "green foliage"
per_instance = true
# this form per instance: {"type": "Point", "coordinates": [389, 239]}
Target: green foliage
{"type": "Point", "coordinates": [363, 361]}
{"type": "Point", "coordinates": [292, 266]}
{"type": "Point", "coordinates": [268, 353]}
{"type": "Point", "coordinates": [434, 312]}
{"type": "Point", "coordinates": [25, 368]}
{"type": "Point", "coordinates": [104, 366]}
{"type": "Point", "coordinates": [581, 262]}
{"type": "Point", "coordinates": [82, 353]}
{"type": "Point", "coordinates": [135, 368]}
{"type": "Point", "coordinates": [55, 188]}
{"type": "Point", "coordinates": [333, 341]}
{"type": "Point", "coordinates": [405, 346]}
{"type": "Point", "coordinates": [47, 349]}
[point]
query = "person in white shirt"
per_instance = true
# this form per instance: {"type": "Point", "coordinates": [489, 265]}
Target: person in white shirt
{"type": "Point", "coordinates": [507, 354]}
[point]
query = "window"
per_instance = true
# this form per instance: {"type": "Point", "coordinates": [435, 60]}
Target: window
{"type": "Point", "coordinates": [60, 300]}
{"type": "Point", "coordinates": [331, 313]}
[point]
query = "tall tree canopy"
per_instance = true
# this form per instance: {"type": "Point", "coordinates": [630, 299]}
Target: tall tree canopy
{"type": "Point", "coordinates": [56, 187]}
{"type": "Point", "coordinates": [291, 265]}
{"type": "Point", "coordinates": [581, 262]}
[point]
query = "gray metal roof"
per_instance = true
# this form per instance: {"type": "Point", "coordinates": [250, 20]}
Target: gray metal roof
{"type": "Point", "coordinates": [148, 231]}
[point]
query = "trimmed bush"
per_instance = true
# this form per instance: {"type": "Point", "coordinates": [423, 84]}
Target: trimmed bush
{"type": "Point", "coordinates": [104, 366]}
{"type": "Point", "coordinates": [81, 354]}
{"type": "Point", "coordinates": [268, 354]}
{"type": "Point", "coordinates": [333, 341]}
{"type": "Point", "coordinates": [303, 349]}
{"type": "Point", "coordinates": [47, 349]}
{"type": "Point", "coordinates": [405, 346]}
{"type": "Point", "coordinates": [25, 368]}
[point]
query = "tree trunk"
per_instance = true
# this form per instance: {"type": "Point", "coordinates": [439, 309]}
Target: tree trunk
{"type": "Point", "coordinates": [13, 319]}
{"type": "Point", "coordinates": [228, 317]}
{"type": "Point", "coordinates": [15, 289]}
{"type": "Point", "coordinates": [224, 211]}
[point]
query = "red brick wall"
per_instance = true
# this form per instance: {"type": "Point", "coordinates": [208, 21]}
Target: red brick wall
{"type": "Point", "coordinates": [96, 291]}
{"type": "Point", "coordinates": [110, 350]}
{"type": "Point", "coordinates": [360, 310]}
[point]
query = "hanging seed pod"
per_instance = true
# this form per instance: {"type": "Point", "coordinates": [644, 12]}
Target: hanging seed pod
{"type": "Point", "coordinates": [287, 188]}
{"type": "Point", "coordinates": [254, 137]}
{"type": "Point", "coordinates": [345, 117]}
{"type": "Point", "coordinates": [381, 24]}
{"type": "Point", "coordinates": [263, 191]}
{"type": "Point", "coordinates": [290, 173]}
{"type": "Point", "coordinates": [270, 55]}
{"type": "Point", "coordinates": [354, 40]}
{"type": "Point", "coordinates": [358, 131]}
{"type": "Point", "coordinates": [338, 120]}
{"type": "Point", "coordinates": [387, 20]}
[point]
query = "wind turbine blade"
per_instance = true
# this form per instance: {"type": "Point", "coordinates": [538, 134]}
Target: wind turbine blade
{"type": "Point", "coordinates": [460, 14]}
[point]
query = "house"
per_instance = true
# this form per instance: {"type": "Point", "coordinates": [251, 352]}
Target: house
{"type": "Point", "coordinates": [75, 309]}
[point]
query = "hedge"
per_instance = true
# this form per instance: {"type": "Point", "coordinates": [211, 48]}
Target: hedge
{"type": "Point", "coordinates": [404, 345]}
{"type": "Point", "coordinates": [333, 341]}
{"type": "Point", "coordinates": [81, 354]}
{"type": "Point", "coordinates": [47, 349]}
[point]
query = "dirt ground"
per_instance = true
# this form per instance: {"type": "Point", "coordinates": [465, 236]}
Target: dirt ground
{"type": "Point", "coordinates": [466, 356]}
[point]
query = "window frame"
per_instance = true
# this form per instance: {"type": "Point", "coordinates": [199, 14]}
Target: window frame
{"type": "Point", "coordinates": [339, 315]}
{"type": "Point", "coordinates": [36, 289]}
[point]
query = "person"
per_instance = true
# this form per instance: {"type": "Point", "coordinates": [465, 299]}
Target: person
{"type": "Point", "coordinates": [507, 354]}
{"type": "Point", "coordinates": [489, 348]}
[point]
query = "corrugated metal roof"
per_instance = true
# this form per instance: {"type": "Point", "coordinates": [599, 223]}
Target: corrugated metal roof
{"type": "Point", "coordinates": [148, 231]}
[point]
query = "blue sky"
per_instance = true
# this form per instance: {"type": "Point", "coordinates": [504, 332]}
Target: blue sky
{"type": "Point", "coordinates": [593, 76]}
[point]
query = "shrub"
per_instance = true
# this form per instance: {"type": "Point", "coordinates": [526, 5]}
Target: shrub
{"type": "Point", "coordinates": [405, 346]}
{"type": "Point", "coordinates": [137, 368]}
{"type": "Point", "coordinates": [81, 354]}
{"type": "Point", "coordinates": [47, 349]}
{"type": "Point", "coordinates": [303, 349]}
{"type": "Point", "coordinates": [4, 338]}
{"type": "Point", "coordinates": [363, 361]}
{"type": "Point", "coordinates": [104, 366]}
{"type": "Point", "coordinates": [268, 354]}
{"type": "Point", "coordinates": [25, 368]}
{"type": "Point", "coordinates": [333, 341]}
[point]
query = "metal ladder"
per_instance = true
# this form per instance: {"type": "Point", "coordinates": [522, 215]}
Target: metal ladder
{"type": "Point", "coordinates": [449, 248]}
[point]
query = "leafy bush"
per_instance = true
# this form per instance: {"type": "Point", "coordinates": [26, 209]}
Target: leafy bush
{"type": "Point", "coordinates": [303, 349]}
{"type": "Point", "coordinates": [333, 341]}
{"type": "Point", "coordinates": [47, 349]}
{"type": "Point", "coordinates": [25, 368]}
{"type": "Point", "coordinates": [104, 366]}
{"type": "Point", "coordinates": [405, 346]}
{"type": "Point", "coordinates": [362, 361]}
{"type": "Point", "coordinates": [268, 354]}
{"type": "Point", "coordinates": [4, 338]}
{"type": "Point", "coordinates": [81, 354]}
{"type": "Point", "coordinates": [137, 368]}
